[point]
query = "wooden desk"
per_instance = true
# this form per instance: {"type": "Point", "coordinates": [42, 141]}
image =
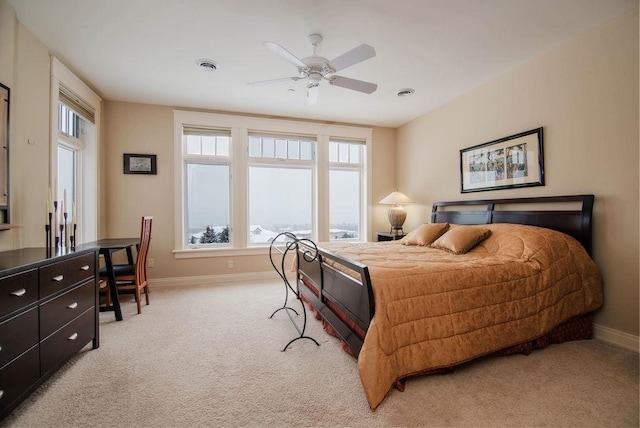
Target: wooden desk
{"type": "Point", "coordinates": [107, 247]}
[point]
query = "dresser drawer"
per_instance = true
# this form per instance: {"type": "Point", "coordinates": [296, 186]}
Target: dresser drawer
{"type": "Point", "coordinates": [67, 341]}
{"type": "Point", "coordinates": [57, 312]}
{"type": "Point", "coordinates": [18, 291]}
{"type": "Point", "coordinates": [61, 275]}
{"type": "Point", "coordinates": [17, 377]}
{"type": "Point", "coordinates": [17, 335]}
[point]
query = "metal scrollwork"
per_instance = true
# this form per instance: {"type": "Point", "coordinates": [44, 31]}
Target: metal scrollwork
{"type": "Point", "coordinates": [309, 251]}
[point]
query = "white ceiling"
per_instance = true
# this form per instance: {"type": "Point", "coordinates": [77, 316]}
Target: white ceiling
{"type": "Point", "coordinates": [145, 51]}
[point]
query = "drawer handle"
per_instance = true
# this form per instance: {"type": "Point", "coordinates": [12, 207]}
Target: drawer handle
{"type": "Point", "coordinates": [19, 293]}
{"type": "Point", "coordinates": [58, 278]}
{"type": "Point", "coordinates": [74, 336]}
{"type": "Point", "coordinates": [1, 393]}
{"type": "Point", "coordinates": [85, 267]}
{"type": "Point", "coordinates": [73, 305]}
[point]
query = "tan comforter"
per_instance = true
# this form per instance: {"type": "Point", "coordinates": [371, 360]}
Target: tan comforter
{"type": "Point", "coordinates": [437, 309]}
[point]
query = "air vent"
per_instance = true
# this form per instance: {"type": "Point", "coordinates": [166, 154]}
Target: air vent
{"type": "Point", "coordinates": [405, 92]}
{"type": "Point", "coordinates": [207, 64]}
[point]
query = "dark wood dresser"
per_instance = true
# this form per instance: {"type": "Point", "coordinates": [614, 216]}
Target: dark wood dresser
{"type": "Point", "coordinates": [48, 312]}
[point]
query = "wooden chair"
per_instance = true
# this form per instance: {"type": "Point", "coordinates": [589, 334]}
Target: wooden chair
{"type": "Point", "coordinates": [133, 277]}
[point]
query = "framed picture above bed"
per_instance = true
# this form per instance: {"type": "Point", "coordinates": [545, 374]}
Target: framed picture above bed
{"type": "Point", "coordinates": [514, 161]}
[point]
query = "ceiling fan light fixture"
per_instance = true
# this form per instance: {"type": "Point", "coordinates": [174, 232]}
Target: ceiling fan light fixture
{"type": "Point", "coordinates": [405, 92]}
{"type": "Point", "coordinates": [207, 64]}
{"type": "Point", "coordinates": [315, 68]}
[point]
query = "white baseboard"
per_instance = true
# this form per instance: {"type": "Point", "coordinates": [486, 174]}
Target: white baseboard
{"type": "Point", "coordinates": [213, 279]}
{"type": "Point", "coordinates": [616, 337]}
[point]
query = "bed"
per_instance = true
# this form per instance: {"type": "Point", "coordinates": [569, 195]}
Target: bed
{"type": "Point", "coordinates": [404, 309]}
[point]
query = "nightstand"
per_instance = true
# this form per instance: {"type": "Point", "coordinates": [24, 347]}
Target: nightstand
{"type": "Point", "coordinates": [382, 236]}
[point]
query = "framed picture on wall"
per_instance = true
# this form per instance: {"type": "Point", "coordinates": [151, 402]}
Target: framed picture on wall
{"type": "Point", "coordinates": [139, 164]}
{"type": "Point", "coordinates": [514, 161]}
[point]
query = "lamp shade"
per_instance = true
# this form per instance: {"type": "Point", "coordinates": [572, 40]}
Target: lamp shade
{"type": "Point", "coordinates": [396, 198]}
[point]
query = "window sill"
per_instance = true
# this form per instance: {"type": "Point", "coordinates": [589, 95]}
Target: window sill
{"type": "Point", "coordinates": [195, 253]}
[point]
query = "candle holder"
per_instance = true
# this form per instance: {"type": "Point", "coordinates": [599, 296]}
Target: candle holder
{"type": "Point", "coordinates": [47, 239]}
{"type": "Point", "coordinates": [66, 230]}
{"type": "Point", "coordinates": [73, 238]}
{"type": "Point", "coordinates": [62, 243]}
{"type": "Point", "coordinates": [49, 231]}
{"type": "Point", "coordinates": [54, 228]}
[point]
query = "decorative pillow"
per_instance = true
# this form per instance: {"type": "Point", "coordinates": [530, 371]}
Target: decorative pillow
{"type": "Point", "coordinates": [461, 239]}
{"type": "Point", "coordinates": [425, 234]}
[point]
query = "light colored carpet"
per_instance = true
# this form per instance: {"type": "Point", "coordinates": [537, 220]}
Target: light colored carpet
{"type": "Point", "coordinates": [209, 356]}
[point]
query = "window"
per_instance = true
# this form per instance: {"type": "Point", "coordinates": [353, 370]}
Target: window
{"type": "Point", "coordinates": [281, 191]}
{"type": "Point", "coordinates": [68, 121]}
{"type": "Point", "coordinates": [70, 146]}
{"type": "Point", "coordinates": [245, 180]}
{"type": "Point", "coordinates": [67, 172]}
{"type": "Point", "coordinates": [207, 166]}
{"type": "Point", "coordinates": [346, 192]}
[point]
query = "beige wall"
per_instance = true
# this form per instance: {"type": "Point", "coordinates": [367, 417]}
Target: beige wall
{"type": "Point", "coordinates": [8, 24]}
{"type": "Point", "coordinates": [24, 67]}
{"type": "Point", "coordinates": [585, 95]}
{"type": "Point", "coordinates": [140, 128]}
{"type": "Point", "coordinates": [384, 177]}
{"type": "Point", "coordinates": [30, 143]}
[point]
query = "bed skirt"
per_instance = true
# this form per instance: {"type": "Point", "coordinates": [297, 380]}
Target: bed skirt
{"type": "Point", "coordinates": [577, 328]}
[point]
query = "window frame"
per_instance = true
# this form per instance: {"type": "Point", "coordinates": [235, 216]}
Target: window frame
{"type": "Point", "coordinates": [214, 159]}
{"type": "Point", "coordinates": [284, 163]}
{"type": "Point", "coordinates": [361, 167]}
{"type": "Point", "coordinates": [241, 127]}
{"type": "Point", "coordinates": [86, 147]}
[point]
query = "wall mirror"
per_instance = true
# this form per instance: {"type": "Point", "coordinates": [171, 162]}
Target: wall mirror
{"type": "Point", "coordinates": [4, 154]}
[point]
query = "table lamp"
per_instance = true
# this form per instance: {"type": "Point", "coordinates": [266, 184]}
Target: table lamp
{"type": "Point", "coordinates": [397, 213]}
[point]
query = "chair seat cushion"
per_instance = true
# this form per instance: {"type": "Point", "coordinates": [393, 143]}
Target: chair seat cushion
{"type": "Point", "coordinates": [119, 270]}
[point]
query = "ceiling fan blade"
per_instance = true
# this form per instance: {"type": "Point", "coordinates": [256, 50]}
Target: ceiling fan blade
{"type": "Point", "coordinates": [274, 47]}
{"type": "Point", "coordinates": [312, 95]}
{"type": "Point", "coordinates": [353, 84]}
{"type": "Point", "coordinates": [267, 82]}
{"type": "Point", "coordinates": [354, 56]}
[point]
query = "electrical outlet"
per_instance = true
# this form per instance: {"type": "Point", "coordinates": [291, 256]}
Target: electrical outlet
{"type": "Point", "coordinates": [230, 264]}
{"type": "Point", "coordinates": [151, 263]}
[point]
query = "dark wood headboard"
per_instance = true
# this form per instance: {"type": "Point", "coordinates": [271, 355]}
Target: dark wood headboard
{"type": "Point", "coordinates": [573, 222]}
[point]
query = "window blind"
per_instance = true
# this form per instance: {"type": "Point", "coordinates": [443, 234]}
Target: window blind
{"type": "Point", "coordinates": [347, 141]}
{"type": "Point", "coordinates": [77, 104]}
{"type": "Point", "coordinates": [211, 132]}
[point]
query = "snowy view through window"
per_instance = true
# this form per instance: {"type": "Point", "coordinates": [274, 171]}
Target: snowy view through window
{"type": "Point", "coordinates": [280, 200]}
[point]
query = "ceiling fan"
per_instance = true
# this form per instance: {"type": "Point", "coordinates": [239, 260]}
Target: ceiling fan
{"type": "Point", "coordinates": [315, 68]}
